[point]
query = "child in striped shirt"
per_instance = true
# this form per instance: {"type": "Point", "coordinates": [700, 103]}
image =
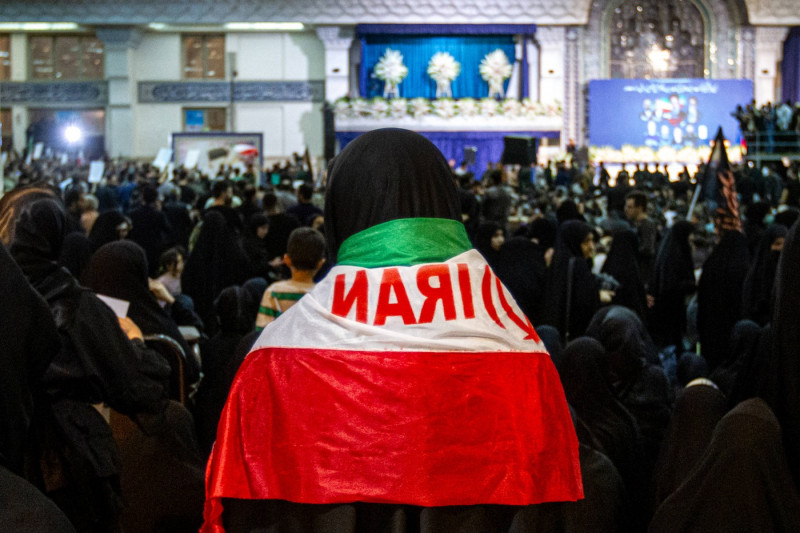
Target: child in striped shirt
{"type": "Point", "coordinates": [304, 256]}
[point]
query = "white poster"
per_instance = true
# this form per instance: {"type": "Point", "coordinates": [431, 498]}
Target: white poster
{"type": "Point", "coordinates": [164, 156]}
{"type": "Point", "coordinates": [96, 169]}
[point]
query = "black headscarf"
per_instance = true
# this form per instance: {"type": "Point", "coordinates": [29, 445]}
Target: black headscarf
{"type": "Point", "coordinates": [544, 231]}
{"type": "Point", "coordinates": [607, 419]}
{"type": "Point", "coordinates": [217, 261]}
{"type": "Point", "coordinates": [780, 386]}
{"type": "Point", "coordinates": [690, 367]}
{"type": "Point", "coordinates": [719, 295]}
{"type": "Point", "coordinates": [384, 175]}
{"type": "Point", "coordinates": [104, 230]}
{"type": "Point", "coordinates": [742, 482]}
{"type": "Point", "coordinates": [641, 387]}
{"type": "Point", "coordinates": [697, 411]}
{"type": "Point", "coordinates": [622, 263]}
{"type": "Point", "coordinates": [672, 281]}
{"type": "Point", "coordinates": [743, 347]}
{"type": "Point", "coordinates": [75, 253]}
{"type": "Point", "coordinates": [119, 269]}
{"type": "Point", "coordinates": [568, 210]}
{"type": "Point", "coordinates": [585, 287]}
{"type": "Point", "coordinates": [552, 341]}
{"type": "Point", "coordinates": [483, 242]}
{"type": "Point", "coordinates": [760, 280]}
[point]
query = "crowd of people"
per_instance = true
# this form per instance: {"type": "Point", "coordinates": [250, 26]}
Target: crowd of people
{"type": "Point", "coordinates": [769, 127]}
{"type": "Point", "coordinates": [671, 378]}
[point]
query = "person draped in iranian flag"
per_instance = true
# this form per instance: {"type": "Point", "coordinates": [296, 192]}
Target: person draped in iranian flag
{"type": "Point", "coordinates": [405, 387]}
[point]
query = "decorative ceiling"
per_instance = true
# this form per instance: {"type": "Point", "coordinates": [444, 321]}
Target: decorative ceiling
{"type": "Point", "coordinates": [557, 12]}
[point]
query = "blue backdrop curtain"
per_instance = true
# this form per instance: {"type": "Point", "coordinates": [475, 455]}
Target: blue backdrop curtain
{"type": "Point", "coordinates": [791, 66]}
{"type": "Point", "coordinates": [417, 50]}
{"type": "Point", "coordinates": [489, 144]}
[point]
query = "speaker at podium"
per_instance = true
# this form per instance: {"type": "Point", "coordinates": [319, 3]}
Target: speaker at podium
{"type": "Point", "coordinates": [519, 151]}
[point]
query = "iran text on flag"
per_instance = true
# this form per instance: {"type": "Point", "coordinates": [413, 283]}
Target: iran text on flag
{"type": "Point", "coordinates": [424, 385]}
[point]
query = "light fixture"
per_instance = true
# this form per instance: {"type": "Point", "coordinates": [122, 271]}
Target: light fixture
{"type": "Point", "coordinates": [73, 134]}
{"type": "Point", "coordinates": [264, 26]}
{"type": "Point", "coordinates": [156, 25]}
{"type": "Point", "coordinates": [38, 26]}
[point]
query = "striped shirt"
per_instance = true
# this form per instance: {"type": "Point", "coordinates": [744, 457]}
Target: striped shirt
{"type": "Point", "coordinates": [278, 298]}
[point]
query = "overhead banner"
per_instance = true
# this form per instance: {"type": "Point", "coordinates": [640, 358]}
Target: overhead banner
{"type": "Point", "coordinates": [675, 113]}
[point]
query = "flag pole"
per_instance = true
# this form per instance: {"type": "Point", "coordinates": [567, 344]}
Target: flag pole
{"type": "Point", "coordinates": [694, 200]}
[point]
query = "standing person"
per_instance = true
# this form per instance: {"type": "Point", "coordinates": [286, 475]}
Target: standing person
{"type": "Point", "coordinates": [151, 229]}
{"type": "Point", "coordinates": [622, 265]}
{"type": "Point", "coordinates": [760, 280]}
{"type": "Point", "coordinates": [646, 230]}
{"type": "Point", "coordinates": [392, 376]}
{"type": "Point", "coordinates": [304, 256]}
{"type": "Point", "coordinates": [573, 294]}
{"type": "Point", "coordinates": [497, 200]}
{"type": "Point", "coordinates": [304, 210]}
{"type": "Point", "coordinates": [672, 281]}
{"type": "Point", "coordinates": [217, 261]}
{"type": "Point", "coordinates": [719, 296]}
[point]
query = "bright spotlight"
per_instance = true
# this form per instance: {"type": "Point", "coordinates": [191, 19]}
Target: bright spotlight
{"type": "Point", "coordinates": [73, 134]}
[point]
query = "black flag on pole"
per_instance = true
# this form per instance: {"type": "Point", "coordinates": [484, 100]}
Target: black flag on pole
{"type": "Point", "coordinates": [720, 188]}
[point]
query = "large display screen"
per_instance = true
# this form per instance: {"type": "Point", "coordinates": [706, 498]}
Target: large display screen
{"type": "Point", "coordinates": [666, 112]}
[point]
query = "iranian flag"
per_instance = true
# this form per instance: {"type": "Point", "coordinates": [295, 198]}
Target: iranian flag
{"type": "Point", "coordinates": [423, 385]}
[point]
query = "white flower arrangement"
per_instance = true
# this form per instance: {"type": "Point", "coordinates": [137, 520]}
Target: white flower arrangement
{"type": "Point", "coordinates": [398, 108]}
{"type": "Point", "coordinates": [391, 71]}
{"type": "Point", "coordinates": [444, 107]}
{"type": "Point", "coordinates": [420, 107]}
{"type": "Point", "coordinates": [443, 69]}
{"type": "Point", "coordinates": [467, 107]}
{"type": "Point", "coordinates": [495, 69]}
{"type": "Point", "coordinates": [489, 107]}
{"type": "Point", "coordinates": [379, 108]}
{"type": "Point", "coordinates": [360, 107]}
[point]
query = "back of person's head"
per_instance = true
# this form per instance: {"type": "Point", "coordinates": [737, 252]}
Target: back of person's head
{"type": "Point", "coordinates": [270, 201]}
{"type": "Point", "coordinates": [639, 199]}
{"type": "Point", "coordinates": [305, 192]}
{"type": "Point", "coordinates": [495, 177]}
{"type": "Point", "coordinates": [149, 195]}
{"type": "Point", "coordinates": [385, 175]}
{"type": "Point", "coordinates": [220, 187]}
{"type": "Point", "coordinates": [306, 248]}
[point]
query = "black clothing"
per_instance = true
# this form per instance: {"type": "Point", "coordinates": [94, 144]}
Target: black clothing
{"type": "Point", "coordinates": [672, 282]}
{"type": "Point", "coordinates": [96, 363]}
{"type": "Point", "coordinates": [281, 226]}
{"type": "Point", "coordinates": [256, 249]}
{"type": "Point", "coordinates": [217, 261]}
{"type": "Point", "coordinates": [24, 508]}
{"type": "Point", "coordinates": [304, 212]}
{"type": "Point", "coordinates": [180, 220]}
{"type": "Point", "coordinates": [697, 411]}
{"type": "Point", "coordinates": [104, 229]}
{"type": "Point", "coordinates": [571, 316]}
{"type": "Point", "coordinates": [30, 342]}
{"type": "Point", "coordinates": [414, 181]}
{"type": "Point", "coordinates": [760, 279]}
{"type": "Point", "coordinates": [75, 253]}
{"type": "Point", "coordinates": [522, 269]}
{"type": "Point", "coordinates": [719, 295]}
{"type": "Point", "coordinates": [610, 423]}
{"type": "Point", "coordinates": [151, 231]}
{"type": "Point", "coordinates": [741, 483]}
{"type": "Point", "coordinates": [743, 347]}
{"type": "Point", "coordinates": [621, 264]}
{"type": "Point", "coordinates": [119, 269]}
{"type": "Point", "coordinates": [162, 473]}
{"type": "Point", "coordinates": [781, 373]}
{"type": "Point", "coordinates": [483, 242]}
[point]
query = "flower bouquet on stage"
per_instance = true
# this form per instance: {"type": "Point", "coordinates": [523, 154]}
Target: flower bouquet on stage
{"type": "Point", "coordinates": [391, 71]}
{"type": "Point", "coordinates": [495, 69]}
{"type": "Point", "coordinates": [443, 69]}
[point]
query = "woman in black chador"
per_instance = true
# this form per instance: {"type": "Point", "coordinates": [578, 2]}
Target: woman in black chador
{"type": "Point", "coordinates": [672, 281]}
{"type": "Point", "coordinates": [97, 363]}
